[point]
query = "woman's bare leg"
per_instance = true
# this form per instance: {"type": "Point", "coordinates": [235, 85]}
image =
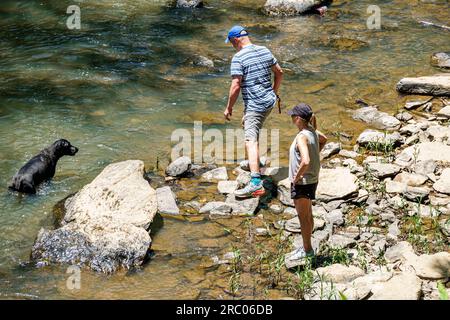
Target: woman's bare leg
{"type": "Point", "coordinates": [304, 211]}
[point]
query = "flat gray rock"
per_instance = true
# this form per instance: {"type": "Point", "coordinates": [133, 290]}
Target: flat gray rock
{"type": "Point", "coordinates": [375, 137]}
{"type": "Point", "coordinates": [166, 201]}
{"type": "Point", "coordinates": [378, 119]}
{"type": "Point", "coordinates": [334, 184]}
{"type": "Point", "coordinates": [215, 174]}
{"type": "Point", "coordinates": [383, 170]}
{"type": "Point", "coordinates": [436, 85]}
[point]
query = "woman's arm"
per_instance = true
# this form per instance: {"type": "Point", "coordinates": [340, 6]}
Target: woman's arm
{"type": "Point", "coordinates": [302, 145]}
{"type": "Point", "coordinates": [322, 139]}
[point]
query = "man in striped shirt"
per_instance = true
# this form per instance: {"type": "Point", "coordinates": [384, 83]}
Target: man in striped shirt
{"type": "Point", "coordinates": [251, 72]}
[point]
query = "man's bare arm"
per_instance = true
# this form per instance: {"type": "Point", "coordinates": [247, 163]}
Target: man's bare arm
{"type": "Point", "coordinates": [235, 89]}
{"type": "Point", "coordinates": [278, 72]}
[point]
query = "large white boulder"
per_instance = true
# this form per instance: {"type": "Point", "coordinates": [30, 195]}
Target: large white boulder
{"type": "Point", "coordinates": [106, 224]}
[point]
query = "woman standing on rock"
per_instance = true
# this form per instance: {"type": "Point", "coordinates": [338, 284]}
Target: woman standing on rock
{"type": "Point", "coordinates": [304, 167]}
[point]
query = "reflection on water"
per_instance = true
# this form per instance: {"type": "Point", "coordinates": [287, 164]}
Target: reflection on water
{"type": "Point", "coordinates": [120, 85]}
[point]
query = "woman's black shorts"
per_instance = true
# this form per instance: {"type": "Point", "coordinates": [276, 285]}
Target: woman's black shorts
{"type": "Point", "coordinates": [303, 191]}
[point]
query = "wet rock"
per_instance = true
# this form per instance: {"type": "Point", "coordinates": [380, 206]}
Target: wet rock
{"type": "Point", "coordinates": [339, 273]}
{"type": "Point", "coordinates": [441, 60]}
{"type": "Point", "coordinates": [444, 112]}
{"type": "Point", "coordinates": [166, 201]}
{"type": "Point", "coordinates": [336, 184]}
{"type": "Point", "coordinates": [380, 120]}
{"type": "Point", "coordinates": [370, 136]}
{"type": "Point", "coordinates": [330, 149]}
{"type": "Point", "coordinates": [244, 206]}
{"type": "Point", "coordinates": [432, 267]}
{"type": "Point", "coordinates": [215, 174]}
{"type": "Point", "coordinates": [404, 286]}
{"type": "Point", "coordinates": [383, 170]}
{"type": "Point", "coordinates": [411, 179]}
{"type": "Point", "coordinates": [401, 251]}
{"type": "Point", "coordinates": [179, 166]}
{"type": "Point", "coordinates": [216, 206]}
{"type": "Point", "coordinates": [100, 244]}
{"type": "Point", "coordinates": [335, 217]}
{"type": "Point", "coordinates": [201, 61]}
{"type": "Point", "coordinates": [443, 184]}
{"type": "Point", "coordinates": [437, 85]}
{"type": "Point", "coordinates": [290, 7]}
{"type": "Point", "coordinates": [105, 225]}
{"type": "Point", "coordinates": [424, 151]}
{"type": "Point", "coordinates": [193, 206]}
{"type": "Point", "coordinates": [227, 186]}
{"type": "Point", "coordinates": [338, 241]}
{"type": "Point", "coordinates": [189, 3]}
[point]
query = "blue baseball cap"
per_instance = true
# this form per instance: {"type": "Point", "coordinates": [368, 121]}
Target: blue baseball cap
{"type": "Point", "coordinates": [236, 32]}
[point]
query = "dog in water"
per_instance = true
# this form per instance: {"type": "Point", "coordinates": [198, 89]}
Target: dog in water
{"type": "Point", "coordinates": [41, 167]}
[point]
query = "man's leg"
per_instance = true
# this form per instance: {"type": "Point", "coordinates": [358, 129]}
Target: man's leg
{"type": "Point", "coordinates": [253, 155]}
{"type": "Point", "coordinates": [304, 211]}
{"type": "Point", "coordinates": [252, 124]}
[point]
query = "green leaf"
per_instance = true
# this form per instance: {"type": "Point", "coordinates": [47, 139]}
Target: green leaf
{"type": "Point", "coordinates": [443, 294]}
{"type": "Point", "coordinates": [343, 297]}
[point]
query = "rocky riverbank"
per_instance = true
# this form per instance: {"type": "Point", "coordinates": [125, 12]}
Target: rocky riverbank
{"type": "Point", "coordinates": [381, 215]}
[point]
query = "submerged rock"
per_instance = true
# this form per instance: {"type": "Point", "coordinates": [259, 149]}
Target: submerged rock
{"type": "Point", "coordinates": [290, 7]}
{"type": "Point", "coordinates": [189, 3]}
{"type": "Point", "coordinates": [441, 60]}
{"type": "Point", "coordinates": [437, 85]}
{"type": "Point", "coordinates": [106, 223]}
{"type": "Point", "coordinates": [380, 120]}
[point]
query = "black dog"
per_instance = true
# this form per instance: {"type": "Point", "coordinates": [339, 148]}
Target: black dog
{"type": "Point", "coordinates": [41, 167]}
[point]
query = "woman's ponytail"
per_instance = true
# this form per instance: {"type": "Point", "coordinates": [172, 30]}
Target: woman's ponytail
{"type": "Point", "coordinates": [313, 121]}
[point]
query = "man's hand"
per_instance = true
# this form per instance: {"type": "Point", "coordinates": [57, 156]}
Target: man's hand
{"type": "Point", "coordinates": [228, 113]}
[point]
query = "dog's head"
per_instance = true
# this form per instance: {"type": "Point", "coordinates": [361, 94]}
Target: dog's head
{"type": "Point", "coordinates": [64, 148]}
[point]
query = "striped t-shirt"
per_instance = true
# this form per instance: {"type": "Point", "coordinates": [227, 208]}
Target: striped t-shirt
{"type": "Point", "coordinates": [254, 64]}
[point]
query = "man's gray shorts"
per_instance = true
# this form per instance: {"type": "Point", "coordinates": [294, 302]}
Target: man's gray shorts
{"type": "Point", "coordinates": [253, 122]}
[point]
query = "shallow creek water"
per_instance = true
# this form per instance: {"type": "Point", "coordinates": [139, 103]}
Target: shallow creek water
{"type": "Point", "coordinates": [118, 87]}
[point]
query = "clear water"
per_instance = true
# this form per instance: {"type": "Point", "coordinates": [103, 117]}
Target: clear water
{"type": "Point", "coordinates": [118, 87]}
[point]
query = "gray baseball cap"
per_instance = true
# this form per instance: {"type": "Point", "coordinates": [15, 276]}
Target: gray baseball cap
{"type": "Point", "coordinates": [302, 110]}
